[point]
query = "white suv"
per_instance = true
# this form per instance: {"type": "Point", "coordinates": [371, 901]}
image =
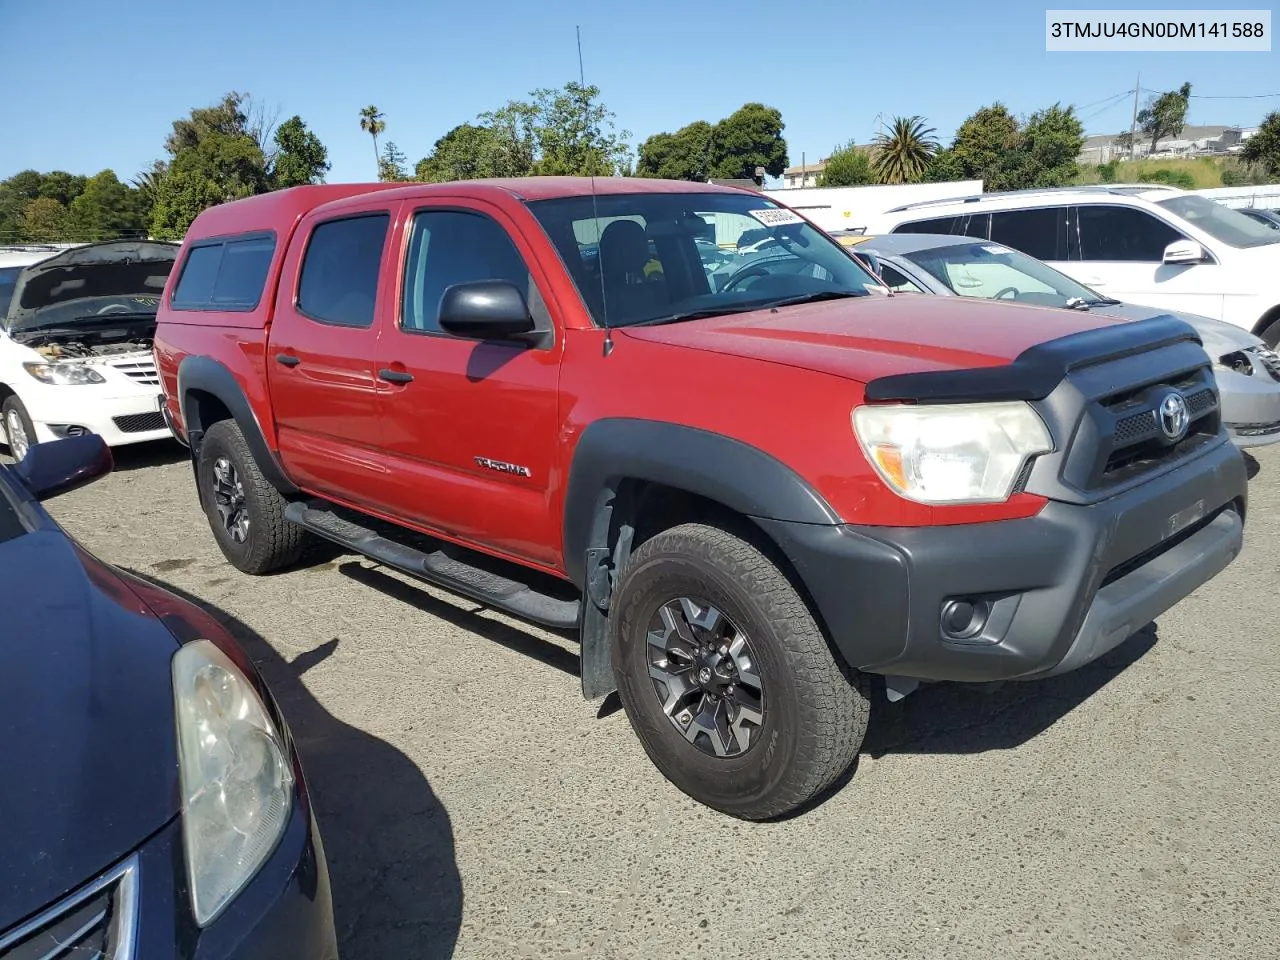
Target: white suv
{"type": "Point", "coordinates": [76, 328]}
{"type": "Point", "coordinates": [1140, 243]}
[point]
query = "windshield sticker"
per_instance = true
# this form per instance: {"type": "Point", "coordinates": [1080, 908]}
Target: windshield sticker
{"type": "Point", "coordinates": [146, 301]}
{"type": "Point", "coordinates": [774, 217]}
{"type": "Point", "coordinates": [996, 248]}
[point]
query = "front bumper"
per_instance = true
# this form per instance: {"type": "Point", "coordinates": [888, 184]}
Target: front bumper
{"type": "Point", "coordinates": [284, 913]}
{"type": "Point", "coordinates": [119, 418]}
{"type": "Point", "coordinates": [1250, 406]}
{"type": "Point", "coordinates": [1062, 588]}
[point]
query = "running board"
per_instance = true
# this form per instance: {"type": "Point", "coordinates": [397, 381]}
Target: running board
{"type": "Point", "coordinates": [440, 567]}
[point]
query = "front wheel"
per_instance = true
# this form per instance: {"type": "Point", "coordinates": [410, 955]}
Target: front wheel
{"type": "Point", "coordinates": [726, 677]}
{"type": "Point", "coordinates": [19, 431]}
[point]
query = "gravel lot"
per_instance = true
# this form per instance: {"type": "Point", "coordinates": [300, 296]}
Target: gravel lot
{"type": "Point", "coordinates": [473, 805]}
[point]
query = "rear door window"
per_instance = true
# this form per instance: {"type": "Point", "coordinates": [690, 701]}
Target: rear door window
{"type": "Point", "coordinates": [339, 282]}
{"type": "Point", "coordinates": [1039, 232]}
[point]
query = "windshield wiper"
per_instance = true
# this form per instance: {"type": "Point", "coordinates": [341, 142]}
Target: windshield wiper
{"type": "Point", "coordinates": [111, 317]}
{"type": "Point", "coordinates": [695, 315]}
{"type": "Point", "coordinates": [817, 297]}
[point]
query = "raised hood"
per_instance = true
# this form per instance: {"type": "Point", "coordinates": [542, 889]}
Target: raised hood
{"type": "Point", "coordinates": [870, 337]}
{"type": "Point", "coordinates": [110, 268]}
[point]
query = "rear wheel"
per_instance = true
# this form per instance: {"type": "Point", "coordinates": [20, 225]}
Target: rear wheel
{"type": "Point", "coordinates": [19, 431]}
{"type": "Point", "coordinates": [726, 677]}
{"type": "Point", "coordinates": [245, 512]}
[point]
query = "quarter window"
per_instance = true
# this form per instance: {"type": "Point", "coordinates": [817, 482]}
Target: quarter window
{"type": "Point", "coordinates": [339, 282]}
{"type": "Point", "coordinates": [449, 247]}
{"type": "Point", "coordinates": [1037, 232]}
{"type": "Point", "coordinates": [225, 274]}
{"type": "Point", "coordinates": [1117, 233]}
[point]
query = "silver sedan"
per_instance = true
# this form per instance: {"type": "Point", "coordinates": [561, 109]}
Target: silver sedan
{"type": "Point", "coordinates": [1247, 372]}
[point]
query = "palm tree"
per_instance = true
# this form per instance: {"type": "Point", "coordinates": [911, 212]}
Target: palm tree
{"type": "Point", "coordinates": [371, 122]}
{"type": "Point", "coordinates": [903, 155]}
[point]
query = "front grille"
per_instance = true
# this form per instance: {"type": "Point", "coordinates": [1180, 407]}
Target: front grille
{"type": "Point", "coordinates": [1268, 358]}
{"type": "Point", "coordinates": [98, 922]}
{"type": "Point", "coordinates": [139, 369]}
{"type": "Point", "coordinates": [139, 422]}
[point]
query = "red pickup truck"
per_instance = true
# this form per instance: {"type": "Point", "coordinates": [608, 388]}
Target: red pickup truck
{"type": "Point", "coordinates": [750, 482]}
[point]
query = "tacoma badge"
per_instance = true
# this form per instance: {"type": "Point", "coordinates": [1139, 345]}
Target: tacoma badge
{"type": "Point", "coordinates": [502, 467]}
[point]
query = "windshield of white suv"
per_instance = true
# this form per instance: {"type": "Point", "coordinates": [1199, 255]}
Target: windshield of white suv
{"type": "Point", "coordinates": [992, 271]}
{"type": "Point", "coordinates": [1221, 223]}
{"type": "Point", "coordinates": [665, 257]}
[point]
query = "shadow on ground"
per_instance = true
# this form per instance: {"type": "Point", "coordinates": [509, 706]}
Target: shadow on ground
{"type": "Point", "coordinates": [954, 718]}
{"type": "Point", "coordinates": [155, 453]}
{"type": "Point", "coordinates": [396, 887]}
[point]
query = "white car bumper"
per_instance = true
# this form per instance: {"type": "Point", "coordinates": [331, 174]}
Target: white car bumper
{"type": "Point", "coordinates": [125, 409]}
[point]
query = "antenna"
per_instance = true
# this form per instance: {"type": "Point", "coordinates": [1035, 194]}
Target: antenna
{"type": "Point", "coordinates": [595, 207]}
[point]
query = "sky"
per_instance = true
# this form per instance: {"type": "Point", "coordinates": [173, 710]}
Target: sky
{"type": "Point", "coordinates": [91, 85]}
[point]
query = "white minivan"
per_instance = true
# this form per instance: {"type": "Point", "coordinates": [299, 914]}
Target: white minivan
{"type": "Point", "coordinates": [1141, 243]}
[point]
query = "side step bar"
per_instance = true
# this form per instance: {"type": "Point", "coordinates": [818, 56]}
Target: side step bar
{"type": "Point", "coordinates": [440, 567]}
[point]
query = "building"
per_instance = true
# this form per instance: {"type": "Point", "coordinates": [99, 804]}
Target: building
{"type": "Point", "coordinates": [1194, 141]}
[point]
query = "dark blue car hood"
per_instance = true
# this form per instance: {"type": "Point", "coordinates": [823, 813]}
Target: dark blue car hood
{"type": "Point", "coordinates": [87, 744]}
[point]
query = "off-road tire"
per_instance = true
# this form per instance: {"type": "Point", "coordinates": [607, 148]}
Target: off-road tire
{"type": "Point", "coordinates": [815, 708]}
{"type": "Point", "coordinates": [272, 542]}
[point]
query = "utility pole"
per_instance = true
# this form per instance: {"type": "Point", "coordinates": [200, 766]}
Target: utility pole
{"type": "Point", "coordinates": [804, 173]}
{"type": "Point", "coordinates": [1133, 128]}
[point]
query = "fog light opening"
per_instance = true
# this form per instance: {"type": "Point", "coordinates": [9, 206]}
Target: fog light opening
{"type": "Point", "coordinates": [964, 619]}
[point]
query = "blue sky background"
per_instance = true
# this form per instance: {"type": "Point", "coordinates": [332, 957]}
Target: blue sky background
{"type": "Point", "coordinates": [91, 85]}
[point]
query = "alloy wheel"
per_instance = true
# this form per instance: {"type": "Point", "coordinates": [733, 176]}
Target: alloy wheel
{"type": "Point", "coordinates": [16, 433]}
{"type": "Point", "coordinates": [705, 676]}
{"type": "Point", "coordinates": [228, 498]}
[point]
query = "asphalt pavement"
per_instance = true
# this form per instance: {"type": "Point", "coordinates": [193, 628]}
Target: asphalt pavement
{"type": "Point", "coordinates": [472, 804]}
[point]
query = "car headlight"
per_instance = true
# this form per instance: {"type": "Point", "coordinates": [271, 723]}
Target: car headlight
{"type": "Point", "coordinates": [64, 374]}
{"type": "Point", "coordinates": [237, 784]}
{"type": "Point", "coordinates": [951, 453]}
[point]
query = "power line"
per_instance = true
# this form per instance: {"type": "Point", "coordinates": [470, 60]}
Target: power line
{"type": "Point", "coordinates": [1104, 100]}
{"type": "Point", "coordinates": [1250, 96]}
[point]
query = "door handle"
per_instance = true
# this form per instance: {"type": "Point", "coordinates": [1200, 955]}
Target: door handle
{"type": "Point", "coordinates": [395, 376]}
{"type": "Point", "coordinates": [288, 359]}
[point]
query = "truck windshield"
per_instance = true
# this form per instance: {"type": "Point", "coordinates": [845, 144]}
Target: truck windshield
{"type": "Point", "coordinates": [1221, 223]}
{"type": "Point", "coordinates": [661, 257]}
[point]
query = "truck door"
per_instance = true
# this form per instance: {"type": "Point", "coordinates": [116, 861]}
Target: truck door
{"type": "Point", "coordinates": [320, 352]}
{"type": "Point", "coordinates": [469, 427]}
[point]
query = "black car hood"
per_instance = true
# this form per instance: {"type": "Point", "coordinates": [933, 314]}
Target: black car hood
{"type": "Point", "coordinates": [87, 737]}
{"type": "Point", "coordinates": [110, 268]}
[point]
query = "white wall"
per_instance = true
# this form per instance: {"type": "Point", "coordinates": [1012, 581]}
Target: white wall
{"type": "Point", "coordinates": [1267, 197]}
{"type": "Point", "coordinates": [839, 208]}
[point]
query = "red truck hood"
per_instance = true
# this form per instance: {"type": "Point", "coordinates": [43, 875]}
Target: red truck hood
{"type": "Point", "coordinates": [879, 336]}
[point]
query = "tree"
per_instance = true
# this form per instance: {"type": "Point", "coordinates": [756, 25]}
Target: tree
{"type": "Point", "coordinates": [61, 186]}
{"type": "Point", "coordinates": [107, 209]}
{"type": "Point", "coordinates": [903, 155]}
{"type": "Point", "coordinates": [983, 145]}
{"type": "Point", "coordinates": [44, 218]}
{"type": "Point", "coordinates": [1124, 141]}
{"type": "Point", "coordinates": [847, 166]}
{"type": "Point", "coordinates": [467, 152]}
{"type": "Point", "coordinates": [749, 137]}
{"type": "Point", "coordinates": [565, 131]}
{"type": "Point", "coordinates": [1164, 116]}
{"type": "Point", "coordinates": [391, 164]}
{"type": "Point", "coordinates": [373, 123]}
{"type": "Point", "coordinates": [299, 158]}
{"type": "Point", "coordinates": [1263, 148]}
{"type": "Point", "coordinates": [214, 159]}
{"type": "Point", "coordinates": [945, 168]}
{"type": "Point", "coordinates": [15, 194]}
{"type": "Point", "coordinates": [1051, 141]}
{"type": "Point", "coordinates": [683, 155]}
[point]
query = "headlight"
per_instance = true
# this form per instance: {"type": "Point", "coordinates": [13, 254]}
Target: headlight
{"type": "Point", "coordinates": [953, 453]}
{"type": "Point", "coordinates": [64, 374]}
{"type": "Point", "coordinates": [237, 785]}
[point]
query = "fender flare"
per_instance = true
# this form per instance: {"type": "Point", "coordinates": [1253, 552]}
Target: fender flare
{"type": "Point", "coordinates": [211, 377]}
{"type": "Point", "coordinates": [741, 477]}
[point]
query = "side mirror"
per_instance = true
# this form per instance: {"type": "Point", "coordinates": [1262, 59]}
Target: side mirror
{"type": "Point", "coordinates": [60, 466]}
{"type": "Point", "coordinates": [486, 310]}
{"type": "Point", "coordinates": [1183, 252]}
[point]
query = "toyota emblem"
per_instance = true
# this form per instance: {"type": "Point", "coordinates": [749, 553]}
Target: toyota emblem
{"type": "Point", "coordinates": [1174, 416]}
